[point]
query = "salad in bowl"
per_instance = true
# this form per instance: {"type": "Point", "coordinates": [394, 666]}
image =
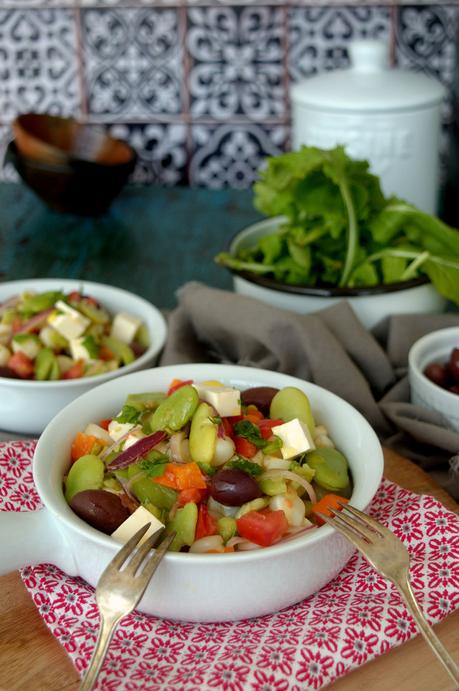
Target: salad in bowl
{"type": "Point", "coordinates": [61, 337]}
{"type": "Point", "coordinates": [226, 469]}
{"type": "Point", "coordinates": [190, 586]}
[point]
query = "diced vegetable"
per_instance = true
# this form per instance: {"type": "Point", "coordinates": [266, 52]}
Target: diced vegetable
{"type": "Point", "coordinates": [264, 528]}
{"type": "Point", "coordinates": [329, 501]}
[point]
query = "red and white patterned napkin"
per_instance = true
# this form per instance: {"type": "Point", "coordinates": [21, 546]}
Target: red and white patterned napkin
{"type": "Point", "coordinates": [352, 620]}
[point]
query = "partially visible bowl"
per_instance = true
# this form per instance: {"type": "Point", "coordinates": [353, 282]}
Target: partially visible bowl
{"type": "Point", "coordinates": [56, 140]}
{"type": "Point", "coordinates": [434, 347]}
{"type": "Point", "coordinates": [77, 186]}
{"type": "Point", "coordinates": [371, 305]}
{"type": "Point", "coordinates": [193, 587]}
{"type": "Point", "coordinates": [27, 406]}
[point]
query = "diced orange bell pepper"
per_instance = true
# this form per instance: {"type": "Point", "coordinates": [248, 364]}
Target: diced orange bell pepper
{"type": "Point", "coordinates": [194, 494]}
{"type": "Point", "coordinates": [82, 445]}
{"type": "Point", "coordinates": [177, 384]}
{"type": "Point", "coordinates": [329, 501]}
{"type": "Point", "coordinates": [181, 476]}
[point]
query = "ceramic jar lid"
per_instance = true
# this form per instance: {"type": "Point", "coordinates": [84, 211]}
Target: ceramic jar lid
{"type": "Point", "coordinates": [368, 85]}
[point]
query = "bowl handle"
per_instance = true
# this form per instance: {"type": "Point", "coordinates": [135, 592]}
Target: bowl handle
{"type": "Point", "coordinates": [28, 538]}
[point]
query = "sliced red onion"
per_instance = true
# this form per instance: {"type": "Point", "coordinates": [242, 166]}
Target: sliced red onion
{"type": "Point", "coordinates": [137, 450]}
{"type": "Point", "coordinates": [11, 302]}
{"type": "Point", "coordinates": [35, 322]}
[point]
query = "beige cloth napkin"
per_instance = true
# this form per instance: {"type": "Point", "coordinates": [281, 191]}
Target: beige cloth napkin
{"type": "Point", "coordinates": [330, 348]}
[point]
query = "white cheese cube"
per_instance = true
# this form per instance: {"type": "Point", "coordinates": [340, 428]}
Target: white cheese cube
{"type": "Point", "coordinates": [137, 520]}
{"type": "Point", "coordinates": [124, 327]}
{"type": "Point", "coordinates": [67, 309]}
{"type": "Point", "coordinates": [118, 429]}
{"type": "Point", "coordinates": [225, 399]}
{"type": "Point", "coordinates": [68, 326]}
{"type": "Point", "coordinates": [79, 351]}
{"type": "Point", "coordinates": [296, 438]}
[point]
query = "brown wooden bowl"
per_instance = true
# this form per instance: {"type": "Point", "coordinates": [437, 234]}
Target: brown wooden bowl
{"type": "Point", "coordinates": [54, 139]}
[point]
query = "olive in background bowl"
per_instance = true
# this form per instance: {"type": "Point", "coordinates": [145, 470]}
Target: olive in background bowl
{"type": "Point", "coordinates": [371, 304]}
{"type": "Point", "coordinates": [435, 347]}
{"type": "Point", "coordinates": [26, 406]}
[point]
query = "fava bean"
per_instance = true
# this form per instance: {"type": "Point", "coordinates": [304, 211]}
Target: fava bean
{"type": "Point", "coordinates": [203, 435]}
{"type": "Point", "coordinates": [86, 473]}
{"type": "Point", "coordinates": [290, 403]}
{"type": "Point", "coordinates": [331, 468]}
{"type": "Point", "coordinates": [176, 410]}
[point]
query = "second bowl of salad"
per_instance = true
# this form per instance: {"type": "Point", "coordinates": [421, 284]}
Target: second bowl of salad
{"type": "Point", "coordinates": [60, 337]}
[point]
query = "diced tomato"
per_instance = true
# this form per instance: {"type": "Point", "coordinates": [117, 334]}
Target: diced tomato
{"type": "Point", "coordinates": [232, 419]}
{"type": "Point", "coordinates": [329, 501]}
{"type": "Point", "coordinates": [74, 296]}
{"type": "Point", "coordinates": [244, 447]}
{"type": "Point", "coordinates": [182, 476]}
{"type": "Point", "coordinates": [75, 371]}
{"type": "Point", "coordinates": [194, 494]}
{"type": "Point", "coordinates": [177, 384]}
{"type": "Point", "coordinates": [16, 324]}
{"type": "Point", "coordinates": [262, 527]}
{"type": "Point", "coordinates": [266, 426]}
{"type": "Point", "coordinates": [82, 445]}
{"type": "Point", "coordinates": [207, 524]}
{"type": "Point", "coordinates": [105, 423]}
{"type": "Point", "coordinates": [89, 300]}
{"type": "Point", "coordinates": [21, 364]}
{"type": "Point", "coordinates": [105, 353]}
{"type": "Point", "coordinates": [227, 427]}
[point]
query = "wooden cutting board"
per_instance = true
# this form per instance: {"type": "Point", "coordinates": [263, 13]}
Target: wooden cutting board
{"type": "Point", "coordinates": [31, 659]}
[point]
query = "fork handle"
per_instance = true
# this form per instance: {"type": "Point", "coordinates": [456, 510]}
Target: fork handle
{"type": "Point", "coordinates": [427, 631]}
{"type": "Point", "coordinates": [106, 630]}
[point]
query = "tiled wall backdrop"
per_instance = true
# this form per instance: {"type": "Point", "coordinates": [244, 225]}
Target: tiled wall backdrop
{"type": "Point", "coordinates": [200, 89]}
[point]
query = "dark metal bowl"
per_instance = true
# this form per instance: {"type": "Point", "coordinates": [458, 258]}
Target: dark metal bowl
{"type": "Point", "coordinates": [76, 186]}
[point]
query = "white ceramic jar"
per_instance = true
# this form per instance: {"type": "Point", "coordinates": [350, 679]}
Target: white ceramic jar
{"type": "Point", "coordinates": [389, 117]}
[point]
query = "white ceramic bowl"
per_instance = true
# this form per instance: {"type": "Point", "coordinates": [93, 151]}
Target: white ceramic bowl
{"type": "Point", "coordinates": [27, 406]}
{"type": "Point", "coordinates": [371, 305]}
{"type": "Point", "coordinates": [193, 587]}
{"type": "Point", "coordinates": [434, 347]}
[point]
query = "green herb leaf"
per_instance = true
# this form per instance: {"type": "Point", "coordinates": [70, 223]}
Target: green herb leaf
{"type": "Point", "coordinates": [128, 415]}
{"type": "Point", "coordinates": [247, 466]}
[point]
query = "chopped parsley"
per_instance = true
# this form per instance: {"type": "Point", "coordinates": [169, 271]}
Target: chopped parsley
{"type": "Point", "coordinates": [128, 414]}
{"type": "Point", "coordinates": [247, 466]}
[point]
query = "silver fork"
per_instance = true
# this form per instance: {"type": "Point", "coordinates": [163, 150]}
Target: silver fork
{"type": "Point", "coordinates": [118, 592]}
{"type": "Point", "coordinates": [390, 558]}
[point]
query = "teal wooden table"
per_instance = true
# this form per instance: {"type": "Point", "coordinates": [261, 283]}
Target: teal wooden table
{"type": "Point", "coordinates": [151, 241]}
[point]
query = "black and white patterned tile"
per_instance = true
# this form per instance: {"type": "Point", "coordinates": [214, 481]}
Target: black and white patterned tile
{"type": "Point", "coordinates": [230, 155]}
{"type": "Point", "coordinates": [237, 66]}
{"type": "Point", "coordinates": [318, 37]}
{"type": "Point", "coordinates": [133, 62]}
{"type": "Point", "coordinates": [161, 150]}
{"type": "Point", "coordinates": [38, 62]}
